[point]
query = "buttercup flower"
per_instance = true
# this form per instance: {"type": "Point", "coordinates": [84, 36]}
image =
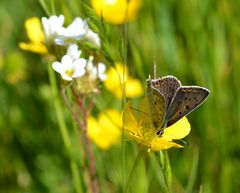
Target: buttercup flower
{"type": "Point", "coordinates": [75, 31]}
{"type": "Point", "coordinates": [117, 11]}
{"type": "Point", "coordinates": [106, 130]}
{"type": "Point", "coordinates": [115, 80]}
{"type": "Point", "coordinates": [51, 26]}
{"type": "Point", "coordinates": [139, 128]}
{"type": "Point", "coordinates": [35, 35]}
{"type": "Point", "coordinates": [70, 68]}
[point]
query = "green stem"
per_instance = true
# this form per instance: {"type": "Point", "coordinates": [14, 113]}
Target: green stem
{"type": "Point", "coordinates": [124, 57]}
{"type": "Point", "coordinates": [63, 128]}
{"type": "Point", "coordinates": [44, 6]}
{"type": "Point", "coordinates": [129, 180]}
{"type": "Point", "coordinates": [168, 171]}
{"type": "Point", "coordinates": [53, 7]}
{"type": "Point", "coordinates": [163, 160]}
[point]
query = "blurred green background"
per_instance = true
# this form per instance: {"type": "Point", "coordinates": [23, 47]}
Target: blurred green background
{"type": "Point", "coordinates": [196, 41]}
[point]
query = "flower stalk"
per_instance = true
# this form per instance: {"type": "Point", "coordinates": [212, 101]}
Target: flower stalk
{"type": "Point", "coordinates": [163, 160]}
{"type": "Point", "coordinates": [80, 116]}
{"type": "Point", "coordinates": [63, 130]}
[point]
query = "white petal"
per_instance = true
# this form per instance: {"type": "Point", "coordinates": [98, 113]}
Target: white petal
{"type": "Point", "coordinates": [62, 31]}
{"type": "Point", "coordinates": [61, 19]}
{"type": "Point", "coordinates": [73, 51]}
{"type": "Point", "coordinates": [90, 63]}
{"type": "Point", "coordinates": [76, 29]}
{"type": "Point", "coordinates": [45, 26]}
{"type": "Point", "coordinates": [101, 67]}
{"type": "Point", "coordinates": [57, 66]}
{"type": "Point", "coordinates": [101, 71]}
{"type": "Point", "coordinates": [67, 62]}
{"type": "Point", "coordinates": [66, 77]}
{"type": "Point", "coordinates": [78, 73]}
{"type": "Point", "coordinates": [56, 22]}
{"type": "Point", "coordinates": [51, 25]}
{"type": "Point", "coordinates": [93, 38]}
{"type": "Point", "coordinates": [78, 67]}
{"type": "Point", "coordinates": [79, 63]}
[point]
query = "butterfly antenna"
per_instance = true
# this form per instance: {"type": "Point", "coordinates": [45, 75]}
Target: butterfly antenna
{"type": "Point", "coordinates": [154, 70]}
{"type": "Point", "coordinates": [140, 111]}
{"type": "Point", "coordinates": [150, 79]}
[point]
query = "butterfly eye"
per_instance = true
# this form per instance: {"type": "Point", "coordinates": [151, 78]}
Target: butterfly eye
{"type": "Point", "coordinates": [160, 132]}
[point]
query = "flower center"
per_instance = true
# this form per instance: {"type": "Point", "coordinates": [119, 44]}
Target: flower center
{"type": "Point", "coordinates": [69, 72]}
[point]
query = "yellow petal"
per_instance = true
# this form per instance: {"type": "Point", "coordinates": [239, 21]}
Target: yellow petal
{"type": "Point", "coordinates": [114, 82]}
{"type": "Point", "coordinates": [133, 88]}
{"type": "Point", "coordinates": [33, 47]}
{"type": "Point", "coordinates": [178, 130]}
{"type": "Point", "coordinates": [115, 77]}
{"type": "Point", "coordinates": [131, 126]}
{"type": "Point", "coordinates": [160, 143]}
{"type": "Point", "coordinates": [105, 131]}
{"type": "Point", "coordinates": [34, 30]}
{"type": "Point", "coordinates": [117, 11]}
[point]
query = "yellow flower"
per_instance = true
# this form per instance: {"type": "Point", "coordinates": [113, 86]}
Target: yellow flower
{"type": "Point", "coordinates": [35, 35]}
{"type": "Point", "coordinates": [139, 128]}
{"type": "Point", "coordinates": [106, 130]}
{"type": "Point", "coordinates": [117, 11]}
{"type": "Point", "coordinates": [114, 82]}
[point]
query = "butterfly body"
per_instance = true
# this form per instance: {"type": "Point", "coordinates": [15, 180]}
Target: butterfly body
{"type": "Point", "coordinates": [169, 101]}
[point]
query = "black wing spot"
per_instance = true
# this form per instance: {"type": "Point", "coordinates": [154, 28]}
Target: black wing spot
{"type": "Point", "coordinates": [187, 107]}
{"type": "Point", "coordinates": [180, 113]}
{"type": "Point", "coordinates": [185, 98]}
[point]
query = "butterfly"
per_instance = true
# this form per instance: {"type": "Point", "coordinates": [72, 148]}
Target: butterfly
{"type": "Point", "coordinates": [169, 101]}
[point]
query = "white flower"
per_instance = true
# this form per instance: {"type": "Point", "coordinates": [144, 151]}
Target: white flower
{"type": "Point", "coordinates": [101, 71]}
{"type": "Point", "coordinates": [93, 38]}
{"type": "Point", "coordinates": [96, 72]}
{"type": "Point", "coordinates": [69, 68]}
{"type": "Point", "coordinates": [75, 31]}
{"type": "Point", "coordinates": [73, 51]}
{"type": "Point", "coordinates": [52, 25]}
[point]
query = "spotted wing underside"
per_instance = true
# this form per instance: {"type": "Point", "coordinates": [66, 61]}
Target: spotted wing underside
{"type": "Point", "coordinates": [156, 104]}
{"type": "Point", "coordinates": [187, 99]}
{"type": "Point", "coordinates": [167, 86]}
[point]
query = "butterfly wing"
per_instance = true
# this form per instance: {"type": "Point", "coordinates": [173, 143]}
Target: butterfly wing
{"type": "Point", "coordinates": [156, 104]}
{"type": "Point", "coordinates": [167, 86]}
{"type": "Point", "coordinates": [186, 99]}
